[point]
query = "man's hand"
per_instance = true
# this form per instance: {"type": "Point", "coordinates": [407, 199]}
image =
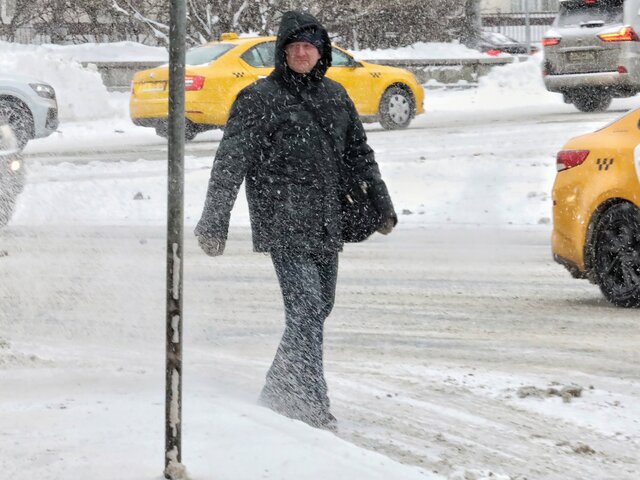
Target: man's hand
{"type": "Point", "coordinates": [211, 246]}
{"type": "Point", "coordinates": [388, 225]}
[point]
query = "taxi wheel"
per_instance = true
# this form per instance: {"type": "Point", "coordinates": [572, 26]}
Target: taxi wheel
{"type": "Point", "coordinates": [592, 101]}
{"type": "Point", "coordinates": [162, 130]}
{"type": "Point", "coordinates": [396, 108]}
{"type": "Point", "coordinates": [617, 255]}
{"type": "Point", "coordinates": [190, 131]}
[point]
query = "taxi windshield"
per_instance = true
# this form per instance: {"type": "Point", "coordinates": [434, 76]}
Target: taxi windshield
{"type": "Point", "coordinates": [207, 53]}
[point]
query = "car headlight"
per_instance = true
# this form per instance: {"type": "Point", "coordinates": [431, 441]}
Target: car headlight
{"type": "Point", "coordinates": [15, 165]}
{"type": "Point", "coordinates": [43, 90]}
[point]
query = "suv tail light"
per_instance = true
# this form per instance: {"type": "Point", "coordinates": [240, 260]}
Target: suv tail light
{"type": "Point", "coordinates": [624, 34]}
{"type": "Point", "coordinates": [193, 82]}
{"type": "Point", "coordinates": [570, 158]}
{"type": "Point", "coordinates": [550, 41]}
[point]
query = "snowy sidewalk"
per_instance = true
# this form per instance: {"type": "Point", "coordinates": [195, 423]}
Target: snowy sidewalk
{"type": "Point", "coordinates": [96, 422]}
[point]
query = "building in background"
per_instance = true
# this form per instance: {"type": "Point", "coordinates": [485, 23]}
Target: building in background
{"type": "Point", "coordinates": [519, 6]}
{"type": "Point", "coordinates": [509, 17]}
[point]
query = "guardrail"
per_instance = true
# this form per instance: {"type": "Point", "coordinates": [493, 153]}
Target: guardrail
{"type": "Point", "coordinates": [117, 75]}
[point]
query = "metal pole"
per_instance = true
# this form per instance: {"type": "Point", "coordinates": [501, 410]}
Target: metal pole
{"type": "Point", "coordinates": [175, 233]}
{"type": "Point", "coordinates": [527, 26]}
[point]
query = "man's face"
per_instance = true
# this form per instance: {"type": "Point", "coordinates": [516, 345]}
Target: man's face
{"type": "Point", "coordinates": [301, 56]}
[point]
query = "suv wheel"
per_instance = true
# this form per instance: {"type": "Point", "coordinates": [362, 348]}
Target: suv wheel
{"type": "Point", "coordinates": [617, 255]}
{"type": "Point", "coordinates": [396, 107]}
{"type": "Point", "coordinates": [591, 100]}
{"type": "Point", "coordinates": [10, 188]}
{"type": "Point", "coordinates": [19, 117]}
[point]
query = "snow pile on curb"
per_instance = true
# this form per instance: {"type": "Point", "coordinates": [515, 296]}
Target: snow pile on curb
{"type": "Point", "coordinates": [523, 78]}
{"type": "Point", "coordinates": [515, 85]}
{"type": "Point", "coordinates": [420, 50]}
{"type": "Point", "coordinates": [81, 94]}
{"type": "Point", "coordinates": [94, 52]}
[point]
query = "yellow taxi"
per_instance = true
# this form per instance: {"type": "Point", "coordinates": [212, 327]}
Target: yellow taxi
{"type": "Point", "coordinates": [217, 71]}
{"type": "Point", "coordinates": [596, 209]}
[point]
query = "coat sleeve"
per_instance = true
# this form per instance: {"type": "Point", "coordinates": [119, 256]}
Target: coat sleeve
{"type": "Point", "coordinates": [243, 141]}
{"type": "Point", "coordinates": [360, 160]}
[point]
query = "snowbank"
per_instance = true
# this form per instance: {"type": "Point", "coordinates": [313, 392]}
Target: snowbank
{"type": "Point", "coordinates": [93, 52]}
{"type": "Point", "coordinates": [421, 50]}
{"type": "Point", "coordinates": [108, 422]}
{"type": "Point", "coordinates": [81, 94]}
{"type": "Point", "coordinates": [515, 85]}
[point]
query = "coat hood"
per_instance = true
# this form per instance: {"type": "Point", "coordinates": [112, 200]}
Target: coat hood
{"type": "Point", "coordinates": [293, 22]}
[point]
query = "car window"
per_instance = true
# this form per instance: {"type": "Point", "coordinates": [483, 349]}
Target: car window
{"type": "Point", "coordinates": [341, 59]}
{"type": "Point", "coordinates": [207, 53]}
{"type": "Point", "coordinates": [262, 55]}
{"type": "Point", "coordinates": [580, 13]}
{"type": "Point", "coordinates": [495, 37]}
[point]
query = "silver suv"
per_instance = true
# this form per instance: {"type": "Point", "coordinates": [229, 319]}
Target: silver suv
{"type": "Point", "coordinates": [29, 105]}
{"type": "Point", "coordinates": [592, 52]}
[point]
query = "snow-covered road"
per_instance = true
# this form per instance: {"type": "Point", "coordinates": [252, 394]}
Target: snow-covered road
{"type": "Point", "coordinates": [434, 335]}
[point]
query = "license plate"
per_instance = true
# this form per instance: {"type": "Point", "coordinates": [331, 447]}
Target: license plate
{"type": "Point", "coordinates": [582, 57]}
{"type": "Point", "coordinates": [152, 87]}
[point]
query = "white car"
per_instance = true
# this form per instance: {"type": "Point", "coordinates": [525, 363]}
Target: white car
{"type": "Point", "coordinates": [29, 105]}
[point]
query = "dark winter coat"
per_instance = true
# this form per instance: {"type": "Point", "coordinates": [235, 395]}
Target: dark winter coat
{"type": "Point", "coordinates": [291, 168]}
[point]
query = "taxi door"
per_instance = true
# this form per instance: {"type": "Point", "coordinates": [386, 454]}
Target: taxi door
{"type": "Point", "coordinates": [355, 79]}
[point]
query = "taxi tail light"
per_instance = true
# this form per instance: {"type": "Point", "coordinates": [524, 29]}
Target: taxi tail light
{"type": "Point", "coordinates": [570, 158]}
{"type": "Point", "coordinates": [494, 52]}
{"type": "Point", "coordinates": [622, 69]}
{"type": "Point", "coordinates": [193, 82]}
{"type": "Point", "coordinates": [624, 34]}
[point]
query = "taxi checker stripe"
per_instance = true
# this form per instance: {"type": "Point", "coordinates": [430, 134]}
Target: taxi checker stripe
{"type": "Point", "coordinates": [604, 163]}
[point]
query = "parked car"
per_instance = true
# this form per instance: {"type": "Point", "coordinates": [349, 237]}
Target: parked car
{"type": "Point", "coordinates": [596, 209]}
{"type": "Point", "coordinates": [11, 171]}
{"type": "Point", "coordinates": [217, 71]}
{"type": "Point", "coordinates": [495, 43]}
{"type": "Point", "coordinates": [591, 51]}
{"type": "Point", "coordinates": [29, 105]}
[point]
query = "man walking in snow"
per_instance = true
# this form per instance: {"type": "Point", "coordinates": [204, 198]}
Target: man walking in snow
{"type": "Point", "coordinates": [288, 136]}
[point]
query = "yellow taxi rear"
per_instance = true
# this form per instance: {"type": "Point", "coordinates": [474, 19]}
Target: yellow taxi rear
{"type": "Point", "coordinates": [210, 79]}
{"type": "Point", "coordinates": [596, 196]}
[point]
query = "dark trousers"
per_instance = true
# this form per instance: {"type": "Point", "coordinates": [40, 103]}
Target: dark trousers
{"type": "Point", "coordinates": [295, 384]}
